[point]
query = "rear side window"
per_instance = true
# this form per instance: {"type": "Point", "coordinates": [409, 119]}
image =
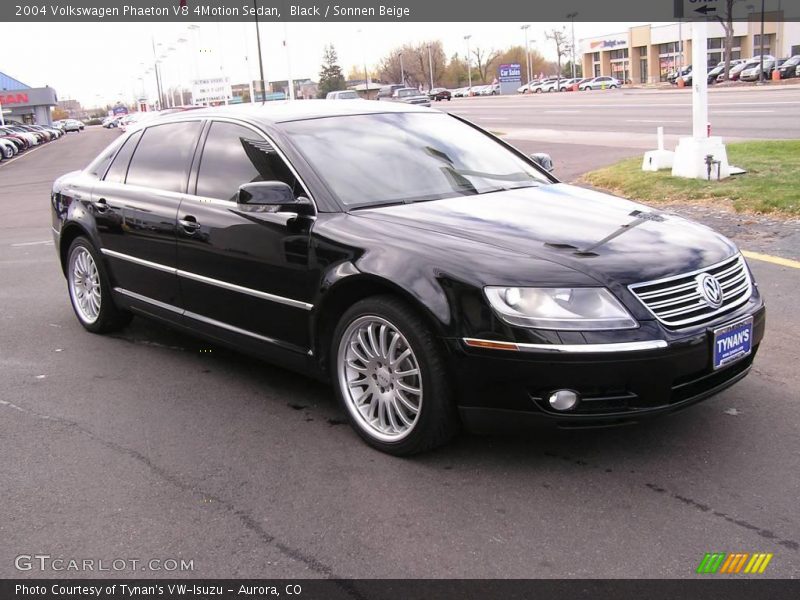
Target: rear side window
{"type": "Point", "coordinates": [116, 174]}
{"type": "Point", "coordinates": [164, 156]}
{"type": "Point", "coordinates": [233, 155]}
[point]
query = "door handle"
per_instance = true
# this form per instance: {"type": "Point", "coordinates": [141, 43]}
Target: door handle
{"type": "Point", "coordinates": [189, 224]}
{"type": "Point", "coordinates": [101, 205]}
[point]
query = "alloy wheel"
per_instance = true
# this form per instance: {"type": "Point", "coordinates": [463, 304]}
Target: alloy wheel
{"type": "Point", "coordinates": [84, 285]}
{"type": "Point", "coordinates": [380, 378]}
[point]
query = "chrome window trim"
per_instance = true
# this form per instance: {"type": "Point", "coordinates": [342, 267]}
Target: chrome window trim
{"type": "Point", "coordinates": [575, 348]}
{"type": "Point", "coordinates": [266, 138]}
{"type": "Point", "coordinates": [210, 281]}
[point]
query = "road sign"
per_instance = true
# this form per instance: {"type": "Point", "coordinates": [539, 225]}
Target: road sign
{"type": "Point", "coordinates": [696, 9]}
{"type": "Point", "coordinates": [510, 73]}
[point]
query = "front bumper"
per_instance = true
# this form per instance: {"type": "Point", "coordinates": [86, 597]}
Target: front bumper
{"type": "Point", "coordinates": [500, 389]}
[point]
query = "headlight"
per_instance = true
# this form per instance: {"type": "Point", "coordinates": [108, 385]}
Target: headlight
{"type": "Point", "coordinates": [573, 309]}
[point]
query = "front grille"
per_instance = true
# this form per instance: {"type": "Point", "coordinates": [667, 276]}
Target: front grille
{"type": "Point", "coordinates": [677, 301]}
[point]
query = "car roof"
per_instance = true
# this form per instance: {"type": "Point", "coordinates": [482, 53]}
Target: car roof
{"type": "Point", "coordinates": [281, 111]}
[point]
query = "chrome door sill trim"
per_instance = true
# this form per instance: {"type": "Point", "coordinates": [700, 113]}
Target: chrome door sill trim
{"type": "Point", "coordinates": [209, 281]}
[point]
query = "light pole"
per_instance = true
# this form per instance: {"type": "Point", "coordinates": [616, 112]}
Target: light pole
{"type": "Point", "coordinates": [183, 90]}
{"type": "Point", "coordinates": [260, 61]}
{"type": "Point", "coordinates": [571, 16]}
{"type": "Point", "coordinates": [761, 47]}
{"type": "Point", "coordinates": [527, 54]}
{"type": "Point", "coordinates": [469, 64]}
{"type": "Point", "coordinates": [364, 58]}
{"type": "Point", "coordinates": [430, 65]}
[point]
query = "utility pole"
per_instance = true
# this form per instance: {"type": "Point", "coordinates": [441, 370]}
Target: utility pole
{"type": "Point", "coordinates": [155, 69]}
{"type": "Point", "coordinates": [469, 64]}
{"type": "Point", "coordinates": [761, 46]}
{"type": "Point", "coordinates": [430, 65]}
{"type": "Point", "coordinates": [527, 54]}
{"type": "Point", "coordinates": [260, 61]}
{"type": "Point", "coordinates": [402, 71]}
{"type": "Point", "coordinates": [571, 16]}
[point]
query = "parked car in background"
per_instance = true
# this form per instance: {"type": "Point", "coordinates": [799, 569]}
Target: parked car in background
{"type": "Point", "coordinates": [411, 96]}
{"type": "Point", "coordinates": [537, 86]}
{"type": "Point", "coordinates": [753, 73]}
{"type": "Point", "coordinates": [29, 137]}
{"type": "Point", "coordinates": [599, 83]}
{"type": "Point", "coordinates": [73, 125]}
{"type": "Point", "coordinates": [789, 67]}
{"type": "Point", "coordinates": [7, 148]}
{"type": "Point", "coordinates": [439, 94]}
{"type": "Point", "coordinates": [675, 75]}
{"type": "Point", "coordinates": [343, 95]}
{"type": "Point", "coordinates": [714, 73]}
{"type": "Point", "coordinates": [387, 91]}
{"type": "Point", "coordinates": [736, 72]}
{"type": "Point", "coordinates": [559, 85]}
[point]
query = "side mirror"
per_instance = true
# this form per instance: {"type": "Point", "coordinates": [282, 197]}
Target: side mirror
{"type": "Point", "coordinates": [272, 197]}
{"type": "Point", "coordinates": [543, 160]}
{"type": "Point", "coordinates": [265, 193]}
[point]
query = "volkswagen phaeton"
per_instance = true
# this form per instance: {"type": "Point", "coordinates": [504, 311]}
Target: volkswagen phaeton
{"type": "Point", "coordinates": [438, 277]}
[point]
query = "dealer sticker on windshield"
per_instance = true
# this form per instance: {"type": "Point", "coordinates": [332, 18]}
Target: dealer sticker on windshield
{"type": "Point", "coordinates": [733, 342]}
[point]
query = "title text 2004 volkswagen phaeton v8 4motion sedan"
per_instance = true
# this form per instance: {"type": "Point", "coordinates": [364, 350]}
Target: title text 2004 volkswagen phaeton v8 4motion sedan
{"type": "Point", "coordinates": [437, 276]}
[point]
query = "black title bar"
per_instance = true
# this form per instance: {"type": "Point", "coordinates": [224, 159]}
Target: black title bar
{"type": "Point", "coordinates": [391, 10]}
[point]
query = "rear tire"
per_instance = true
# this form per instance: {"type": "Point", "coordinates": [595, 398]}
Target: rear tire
{"type": "Point", "coordinates": [90, 290]}
{"type": "Point", "coordinates": [390, 377]}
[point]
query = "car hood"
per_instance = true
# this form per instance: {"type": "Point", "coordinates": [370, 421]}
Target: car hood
{"type": "Point", "coordinates": [612, 240]}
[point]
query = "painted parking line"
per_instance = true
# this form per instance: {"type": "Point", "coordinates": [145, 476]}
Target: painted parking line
{"type": "Point", "coordinates": [42, 243]}
{"type": "Point", "coordinates": [775, 260]}
{"type": "Point", "coordinates": [23, 155]}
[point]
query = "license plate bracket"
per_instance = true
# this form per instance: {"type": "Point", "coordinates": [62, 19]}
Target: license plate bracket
{"type": "Point", "coordinates": [732, 342]}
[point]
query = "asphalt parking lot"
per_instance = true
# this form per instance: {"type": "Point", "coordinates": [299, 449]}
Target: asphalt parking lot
{"type": "Point", "coordinates": [152, 444]}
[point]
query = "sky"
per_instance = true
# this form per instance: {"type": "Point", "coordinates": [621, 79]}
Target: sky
{"type": "Point", "coordinates": [101, 63]}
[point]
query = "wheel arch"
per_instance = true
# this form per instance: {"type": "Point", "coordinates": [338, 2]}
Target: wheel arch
{"type": "Point", "coordinates": [348, 290]}
{"type": "Point", "coordinates": [69, 232]}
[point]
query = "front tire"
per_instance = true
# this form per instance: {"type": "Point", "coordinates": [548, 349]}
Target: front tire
{"type": "Point", "coordinates": [90, 290]}
{"type": "Point", "coordinates": [391, 379]}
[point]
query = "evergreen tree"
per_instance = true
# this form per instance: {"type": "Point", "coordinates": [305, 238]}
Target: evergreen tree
{"type": "Point", "coordinates": [330, 75]}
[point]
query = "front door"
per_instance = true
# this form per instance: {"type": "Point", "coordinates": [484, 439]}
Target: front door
{"type": "Point", "coordinates": [241, 271]}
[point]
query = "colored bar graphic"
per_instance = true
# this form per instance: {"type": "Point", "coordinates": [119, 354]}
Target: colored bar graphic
{"type": "Point", "coordinates": [722, 562]}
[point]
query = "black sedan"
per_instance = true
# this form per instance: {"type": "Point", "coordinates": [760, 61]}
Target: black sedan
{"type": "Point", "coordinates": [437, 276]}
{"type": "Point", "coordinates": [438, 94]}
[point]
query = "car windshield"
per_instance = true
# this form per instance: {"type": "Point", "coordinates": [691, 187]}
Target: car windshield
{"type": "Point", "coordinates": [393, 158]}
{"type": "Point", "coordinates": [406, 93]}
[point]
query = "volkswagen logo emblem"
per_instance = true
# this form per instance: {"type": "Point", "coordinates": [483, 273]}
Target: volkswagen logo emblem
{"type": "Point", "coordinates": [710, 290]}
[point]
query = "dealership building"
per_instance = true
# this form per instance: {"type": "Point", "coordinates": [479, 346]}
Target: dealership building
{"type": "Point", "coordinates": [24, 103]}
{"type": "Point", "coordinates": [648, 53]}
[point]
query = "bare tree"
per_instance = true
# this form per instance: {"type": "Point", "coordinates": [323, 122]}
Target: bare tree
{"type": "Point", "coordinates": [483, 58]}
{"type": "Point", "coordinates": [727, 25]}
{"type": "Point", "coordinates": [563, 48]}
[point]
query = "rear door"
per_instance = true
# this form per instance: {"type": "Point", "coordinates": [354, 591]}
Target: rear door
{"type": "Point", "coordinates": [246, 272]}
{"type": "Point", "coordinates": [136, 205]}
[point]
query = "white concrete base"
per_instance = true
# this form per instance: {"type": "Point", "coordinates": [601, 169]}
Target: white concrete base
{"type": "Point", "coordinates": [658, 160]}
{"type": "Point", "coordinates": [690, 158]}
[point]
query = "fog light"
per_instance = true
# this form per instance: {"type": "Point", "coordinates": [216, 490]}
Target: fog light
{"type": "Point", "coordinates": [564, 399]}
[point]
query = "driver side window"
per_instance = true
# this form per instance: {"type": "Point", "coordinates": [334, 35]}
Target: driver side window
{"type": "Point", "coordinates": [234, 155]}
